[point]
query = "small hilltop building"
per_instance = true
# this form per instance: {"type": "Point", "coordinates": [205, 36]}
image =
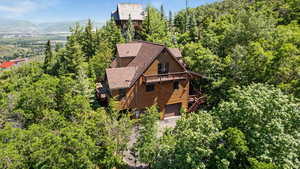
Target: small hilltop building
{"type": "Point", "coordinates": [126, 10]}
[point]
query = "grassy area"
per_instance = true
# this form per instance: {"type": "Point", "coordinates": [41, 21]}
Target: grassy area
{"type": "Point", "coordinates": [7, 50]}
{"type": "Point", "coordinates": [30, 40]}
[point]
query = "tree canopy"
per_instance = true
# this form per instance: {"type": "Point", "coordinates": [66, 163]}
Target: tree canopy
{"type": "Point", "coordinates": [248, 53]}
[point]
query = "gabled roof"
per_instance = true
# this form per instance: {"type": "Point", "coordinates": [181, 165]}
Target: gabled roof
{"type": "Point", "coordinates": [147, 54]}
{"type": "Point", "coordinates": [119, 78]}
{"type": "Point", "coordinates": [132, 49]}
{"type": "Point", "coordinates": [143, 57]}
{"type": "Point", "coordinates": [176, 52]}
{"type": "Point", "coordinates": [136, 12]}
{"type": "Point", "coordinates": [128, 49]}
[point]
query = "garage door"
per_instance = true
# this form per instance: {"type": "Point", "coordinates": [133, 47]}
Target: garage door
{"type": "Point", "coordinates": [172, 110]}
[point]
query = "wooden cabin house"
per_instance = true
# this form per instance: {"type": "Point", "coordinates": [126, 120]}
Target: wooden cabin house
{"type": "Point", "coordinates": [145, 74]}
{"type": "Point", "coordinates": [124, 10]}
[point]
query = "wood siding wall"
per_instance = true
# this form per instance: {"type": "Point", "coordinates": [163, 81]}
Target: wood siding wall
{"type": "Point", "coordinates": [138, 98]}
{"type": "Point", "coordinates": [164, 57]}
{"type": "Point", "coordinates": [123, 23]}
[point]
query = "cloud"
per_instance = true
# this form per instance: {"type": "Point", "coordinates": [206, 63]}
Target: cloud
{"type": "Point", "coordinates": [21, 7]}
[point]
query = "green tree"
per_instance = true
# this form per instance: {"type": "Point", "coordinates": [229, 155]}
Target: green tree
{"type": "Point", "coordinates": [101, 60]}
{"type": "Point", "coordinates": [146, 145]}
{"type": "Point", "coordinates": [193, 28]}
{"type": "Point", "coordinates": [285, 64]}
{"type": "Point", "coordinates": [162, 12]}
{"type": "Point", "coordinates": [130, 32]}
{"type": "Point", "coordinates": [88, 46]}
{"type": "Point", "coordinates": [156, 28]}
{"type": "Point", "coordinates": [71, 59]}
{"type": "Point", "coordinates": [171, 23]}
{"type": "Point", "coordinates": [58, 46]}
{"type": "Point", "coordinates": [110, 33]}
{"type": "Point", "coordinates": [111, 134]}
{"type": "Point", "coordinates": [48, 62]}
{"type": "Point", "coordinates": [202, 60]}
{"type": "Point", "coordinates": [231, 150]}
{"type": "Point", "coordinates": [72, 101]}
{"type": "Point", "coordinates": [268, 118]}
{"type": "Point", "coordinates": [10, 156]}
{"type": "Point", "coordinates": [37, 98]}
{"type": "Point", "coordinates": [260, 165]}
{"type": "Point", "coordinates": [195, 134]}
{"type": "Point", "coordinates": [84, 86]}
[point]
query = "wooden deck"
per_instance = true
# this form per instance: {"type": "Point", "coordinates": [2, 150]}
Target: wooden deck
{"type": "Point", "coordinates": [196, 100]}
{"type": "Point", "coordinates": [165, 77]}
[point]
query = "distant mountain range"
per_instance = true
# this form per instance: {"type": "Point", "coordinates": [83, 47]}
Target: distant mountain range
{"type": "Point", "coordinates": [21, 26]}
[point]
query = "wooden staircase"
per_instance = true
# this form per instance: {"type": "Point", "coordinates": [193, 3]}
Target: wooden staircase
{"type": "Point", "coordinates": [197, 101]}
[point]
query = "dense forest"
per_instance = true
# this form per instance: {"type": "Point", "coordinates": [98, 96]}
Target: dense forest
{"type": "Point", "coordinates": [249, 53]}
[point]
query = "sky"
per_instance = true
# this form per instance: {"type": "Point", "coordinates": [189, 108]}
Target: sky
{"type": "Point", "coordinates": [76, 10]}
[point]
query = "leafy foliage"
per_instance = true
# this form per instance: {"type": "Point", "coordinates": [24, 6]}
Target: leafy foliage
{"type": "Point", "coordinates": [269, 120]}
{"type": "Point", "coordinates": [146, 144]}
{"type": "Point", "coordinates": [48, 113]}
{"type": "Point", "coordinates": [155, 28]}
{"type": "Point", "coordinates": [248, 52]}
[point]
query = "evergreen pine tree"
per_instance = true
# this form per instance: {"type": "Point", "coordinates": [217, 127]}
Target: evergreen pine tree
{"type": "Point", "coordinates": [88, 41]}
{"type": "Point", "coordinates": [148, 28]}
{"type": "Point", "coordinates": [48, 57]}
{"type": "Point", "coordinates": [110, 33]}
{"type": "Point", "coordinates": [162, 12]}
{"type": "Point", "coordinates": [170, 20]}
{"type": "Point", "coordinates": [193, 27]}
{"type": "Point", "coordinates": [130, 30]}
{"type": "Point", "coordinates": [77, 33]}
{"type": "Point", "coordinates": [159, 30]}
{"type": "Point", "coordinates": [186, 16]}
{"type": "Point", "coordinates": [72, 58]}
{"type": "Point", "coordinates": [58, 46]}
{"type": "Point", "coordinates": [83, 86]}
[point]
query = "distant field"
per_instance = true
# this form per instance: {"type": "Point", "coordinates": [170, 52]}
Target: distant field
{"type": "Point", "coordinates": [7, 50]}
{"type": "Point", "coordinates": [30, 40]}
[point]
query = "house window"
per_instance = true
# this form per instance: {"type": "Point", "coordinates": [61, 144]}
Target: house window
{"type": "Point", "coordinates": [122, 93]}
{"type": "Point", "coordinates": [176, 85]}
{"type": "Point", "coordinates": [163, 68]}
{"type": "Point", "coordinates": [150, 87]}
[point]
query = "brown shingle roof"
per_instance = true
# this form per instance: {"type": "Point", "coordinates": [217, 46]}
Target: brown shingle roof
{"type": "Point", "coordinates": [119, 78]}
{"type": "Point", "coordinates": [128, 49]}
{"type": "Point", "coordinates": [146, 54]}
{"type": "Point", "coordinates": [176, 52]}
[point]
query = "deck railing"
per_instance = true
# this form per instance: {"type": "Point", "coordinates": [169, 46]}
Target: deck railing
{"type": "Point", "coordinates": [165, 77]}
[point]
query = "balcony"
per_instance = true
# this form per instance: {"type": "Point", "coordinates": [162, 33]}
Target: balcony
{"type": "Point", "coordinates": [165, 77]}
